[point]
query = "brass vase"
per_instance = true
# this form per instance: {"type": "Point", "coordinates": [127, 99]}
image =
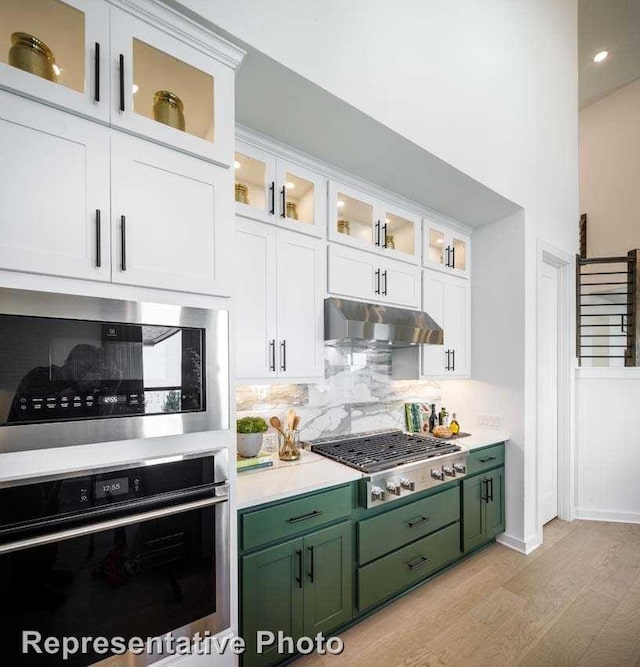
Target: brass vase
{"type": "Point", "coordinates": [168, 109]}
{"type": "Point", "coordinates": [344, 227]}
{"type": "Point", "coordinates": [292, 210]}
{"type": "Point", "coordinates": [32, 55]}
{"type": "Point", "coordinates": [242, 193]}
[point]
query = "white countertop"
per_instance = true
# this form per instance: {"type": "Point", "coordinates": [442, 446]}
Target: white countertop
{"type": "Point", "coordinates": [311, 472]}
{"type": "Point", "coordinates": [480, 439]}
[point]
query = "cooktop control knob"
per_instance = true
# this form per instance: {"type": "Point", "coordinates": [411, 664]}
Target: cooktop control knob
{"type": "Point", "coordinates": [437, 473]}
{"type": "Point", "coordinates": [394, 487]}
{"type": "Point", "coordinates": [377, 493]}
{"type": "Point", "coordinates": [460, 467]}
{"type": "Point", "coordinates": [407, 484]}
{"type": "Point", "coordinates": [449, 471]}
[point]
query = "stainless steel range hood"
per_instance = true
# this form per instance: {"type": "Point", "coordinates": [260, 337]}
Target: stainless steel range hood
{"type": "Point", "coordinates": [353, 322]}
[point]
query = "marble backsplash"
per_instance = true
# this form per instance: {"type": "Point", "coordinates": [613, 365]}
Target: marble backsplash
{"type": "Point", "coordinates": [358, 395]}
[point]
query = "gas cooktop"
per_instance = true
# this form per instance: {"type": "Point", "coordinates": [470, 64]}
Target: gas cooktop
{"type": "Point", "coordinates": [395, 463]}
{"type": "Point", "coordinates": [374, 452]}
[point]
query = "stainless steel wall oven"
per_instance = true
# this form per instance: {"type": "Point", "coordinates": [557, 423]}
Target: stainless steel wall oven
{"type": "Point", "coordinates": [121, 552]}
{"type": "Point", "coordinates": [77, 370]}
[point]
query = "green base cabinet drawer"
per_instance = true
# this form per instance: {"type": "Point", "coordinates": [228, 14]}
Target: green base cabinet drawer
{"type": "Point", "coordinates": [294, 517]}
{"type": "Point", "coordinates": [485, 459]}
{"type": "Point", "coordinates": [407, 566]}
{"type": "Point", "coordinates": [389, 531]}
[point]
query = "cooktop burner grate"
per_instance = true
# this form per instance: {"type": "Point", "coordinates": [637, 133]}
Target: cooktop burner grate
{"type": "Point", "coordinates": [373, 453]}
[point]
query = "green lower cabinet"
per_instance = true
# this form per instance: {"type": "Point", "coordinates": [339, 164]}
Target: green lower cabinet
{"type": "Point", "coordinates": [328, 580]}
{"type": "Point", "coordinates": [482, 508]}
{"type": "Point", "coordinates": [301, 587]}
{"type": "Point", "coordinates": [272, 597]}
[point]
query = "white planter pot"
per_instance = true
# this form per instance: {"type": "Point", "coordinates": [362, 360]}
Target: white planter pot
{"type": "Point", "coordinates": [249, 443]}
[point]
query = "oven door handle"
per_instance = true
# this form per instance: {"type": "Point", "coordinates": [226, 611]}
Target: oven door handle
{"type": "Point", "coordinates": [71, 533]}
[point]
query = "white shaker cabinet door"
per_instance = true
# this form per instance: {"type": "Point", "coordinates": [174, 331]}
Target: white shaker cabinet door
{"type": "Point", "coordinates": [433, 303]}
{"type": "Point", "coordinates": [456, 326]}
{"type": "Point", "coordinates": [172, 219]}
{"type": "Point", "coordinates": [301, 290]}
{"type": "Point", "coordinates": [353, 274]}
{"type": "Point", "coordinates": [255, 300]}
{"type": "Point", "coordinates": [54, 188]}
{"type": "Point", "coordinates": [399, 283]}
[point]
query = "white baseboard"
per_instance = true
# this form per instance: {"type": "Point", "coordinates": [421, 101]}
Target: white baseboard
{"type": "Point", "coordinates": [605, 515]}
{"type": "Point", "coordinates": [522, 546]}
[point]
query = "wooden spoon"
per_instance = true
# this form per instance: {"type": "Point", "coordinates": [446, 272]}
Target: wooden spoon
{"type": "Point", "coordinates": [291, 415]}
{"type": "Point", "coordinates": [277, 424]}
{"type": "Point", "coordinates": [296, 422]}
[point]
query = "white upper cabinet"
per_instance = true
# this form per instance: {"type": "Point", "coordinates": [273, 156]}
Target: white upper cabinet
{"type": "Point", "coordinates": [447, 300]}
{"type": "Point", "coordinates": [279, 301]}
{"type": "Point", "coordinates": [57, 51]}
{"type": "Point", "coordinates": [171, 217]}
{"type": "Point", "coordinates": [274, 190]}
{"type": "Point", "coordinates": [255, 300]}
{"type": "Point", "coordinates": [167, 89]}
{"type": "Point", "coordinates": [54, 188]}
{"type": "Point", "coordinates": [363, 276]}
{"type": "Point", "coordinates": [446, 249]}
{"type": "Point", "coordinates": [370, 224]}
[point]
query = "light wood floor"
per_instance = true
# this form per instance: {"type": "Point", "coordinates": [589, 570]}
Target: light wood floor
{"type": "Point", "coordinates": [574, 601]}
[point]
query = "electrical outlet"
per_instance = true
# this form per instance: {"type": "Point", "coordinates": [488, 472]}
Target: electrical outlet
{"type": "Point", "coordinates": [489, 421]}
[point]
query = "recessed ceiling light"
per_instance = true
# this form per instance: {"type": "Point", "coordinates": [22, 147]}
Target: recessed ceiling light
{"type": "Point", "coordinates": [56, 69]}
{"type": "Point", "coordinates": [340, 203]}
{"type": "Point", "coordinates": [600, 56]}
{"type": "Point", "coordinates": [387, 220]}
{"type": "Point", "coordinates": [135, 88]}
{"type": "Point", "coordinates": [236, 164]}
{"type": "Point", "coordinates": [290, 185]}
{"type": "Point", "coordinates": [439, 241]}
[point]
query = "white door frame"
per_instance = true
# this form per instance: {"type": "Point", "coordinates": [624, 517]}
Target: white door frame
{"type": "Point", "coordinates": [565, 263]}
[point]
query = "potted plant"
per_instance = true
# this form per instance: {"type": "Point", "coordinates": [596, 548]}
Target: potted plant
{"type": "Point", "coordinates": [250, 430]}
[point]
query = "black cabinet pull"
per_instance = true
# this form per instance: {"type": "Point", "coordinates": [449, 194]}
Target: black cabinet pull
{"type": "Point", "coordinates": [272, 189]}
{"type": "Point", "coordinates": [417, 522]}
{"type": "Point", "coordinates": [299, 577]}
{"type": "Point", "coordinates": [490, 486]}
{"type": "Point", "coordinates": [384, 278]}
{"type": "Point", "coordinates": [453, 257]}
{"type": "Point", "coordinates": [377, 287]}
{"type": "Point", "coordinates": [418, 562]}
{"type": "Point", "coordinates": [98, 239]}
{"type": "Point", "coordinates": [121, 71]}
{"type": "Point", "coordinates": [272, 354]}
{"type": "Point", "coordinates": [284, 203]}
{"type": "Point", "coordinates": [283, 355]}
{"type": "Point", "coordinates": [377, 242]}
{"type": "Point", "coordinates": [453, 360]}
{"type": "Point", "coordinates": [447, 250]}
{"type": "Point", "coordinates": [96, 64]}
{"type": "Point", "coordinates": [312, 571]}
{"type": "Point", "coordinates": [489, 458]}
{"type": "Point", "coordinates": [448, 365]}
{"type": "Point", "coordinates": [123, 243]}
{"type": "Point", "coordinates": [384, 235]}
{"type": "Point", "coordinates": [484, 492]}
{"type": "Point", "coordinates": [305, 517]}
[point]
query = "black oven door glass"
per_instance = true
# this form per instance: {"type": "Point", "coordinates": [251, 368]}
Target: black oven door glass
{"type": "Point", "coordinates": [141, 580]}
{"type": "Point", "coordinates": [60, 369]}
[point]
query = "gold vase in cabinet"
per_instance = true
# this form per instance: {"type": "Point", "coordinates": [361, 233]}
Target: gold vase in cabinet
{"type": "Point", "coordinates": [168, 109]}
{"type": "Point", "coordinates": [32, 55]}
{"type": "Point", "coordinates": [242, 193]}
{"type": "Point", "coordinates": [292, 210]}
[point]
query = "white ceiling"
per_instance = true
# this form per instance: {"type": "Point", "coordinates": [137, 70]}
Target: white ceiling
{"type": "Point", "coordinates": [613, 26]}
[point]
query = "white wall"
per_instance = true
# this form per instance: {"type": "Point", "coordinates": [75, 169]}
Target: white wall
{"type": "Point", "coordinates": [489, 86]}
{"type": "Point", "coordinates": [610, 172]}
{"type": "Point", "coordinates": [608, 449]}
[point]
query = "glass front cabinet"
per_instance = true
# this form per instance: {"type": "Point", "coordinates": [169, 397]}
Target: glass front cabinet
{"type": "Point", "coordinates": [367, 223]}
{"type": "Point", "coordinates": [58, 52]}
{"type": "Point", "coordinates": [167, 90]}
{"type": "Point", "coordinates": [446, 249]}
{"type": "Point", "coordinates": [273, 190]}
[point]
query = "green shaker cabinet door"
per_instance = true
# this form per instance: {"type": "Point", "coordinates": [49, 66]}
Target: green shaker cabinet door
{"type": "Point", "coordinates": [494, 508]}
{"type": "Point", "coordinates": [272, 598]}
{"type": "Point", "coordinates": [328, 580]}
{"type": "Point", "coordinates": [473, 512]}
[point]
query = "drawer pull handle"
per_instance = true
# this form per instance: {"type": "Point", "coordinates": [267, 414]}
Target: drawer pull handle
{"type": "Point", "coordinates": [489, 458]}
{"type": "Point", "coordinates": [312, 573]}
{"type": "Point", "coordinates": [419, 562]}
{"type": "Point", "coordinates": [305, 517]}
{"type": "Point", "coordinates": [416, 522]}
